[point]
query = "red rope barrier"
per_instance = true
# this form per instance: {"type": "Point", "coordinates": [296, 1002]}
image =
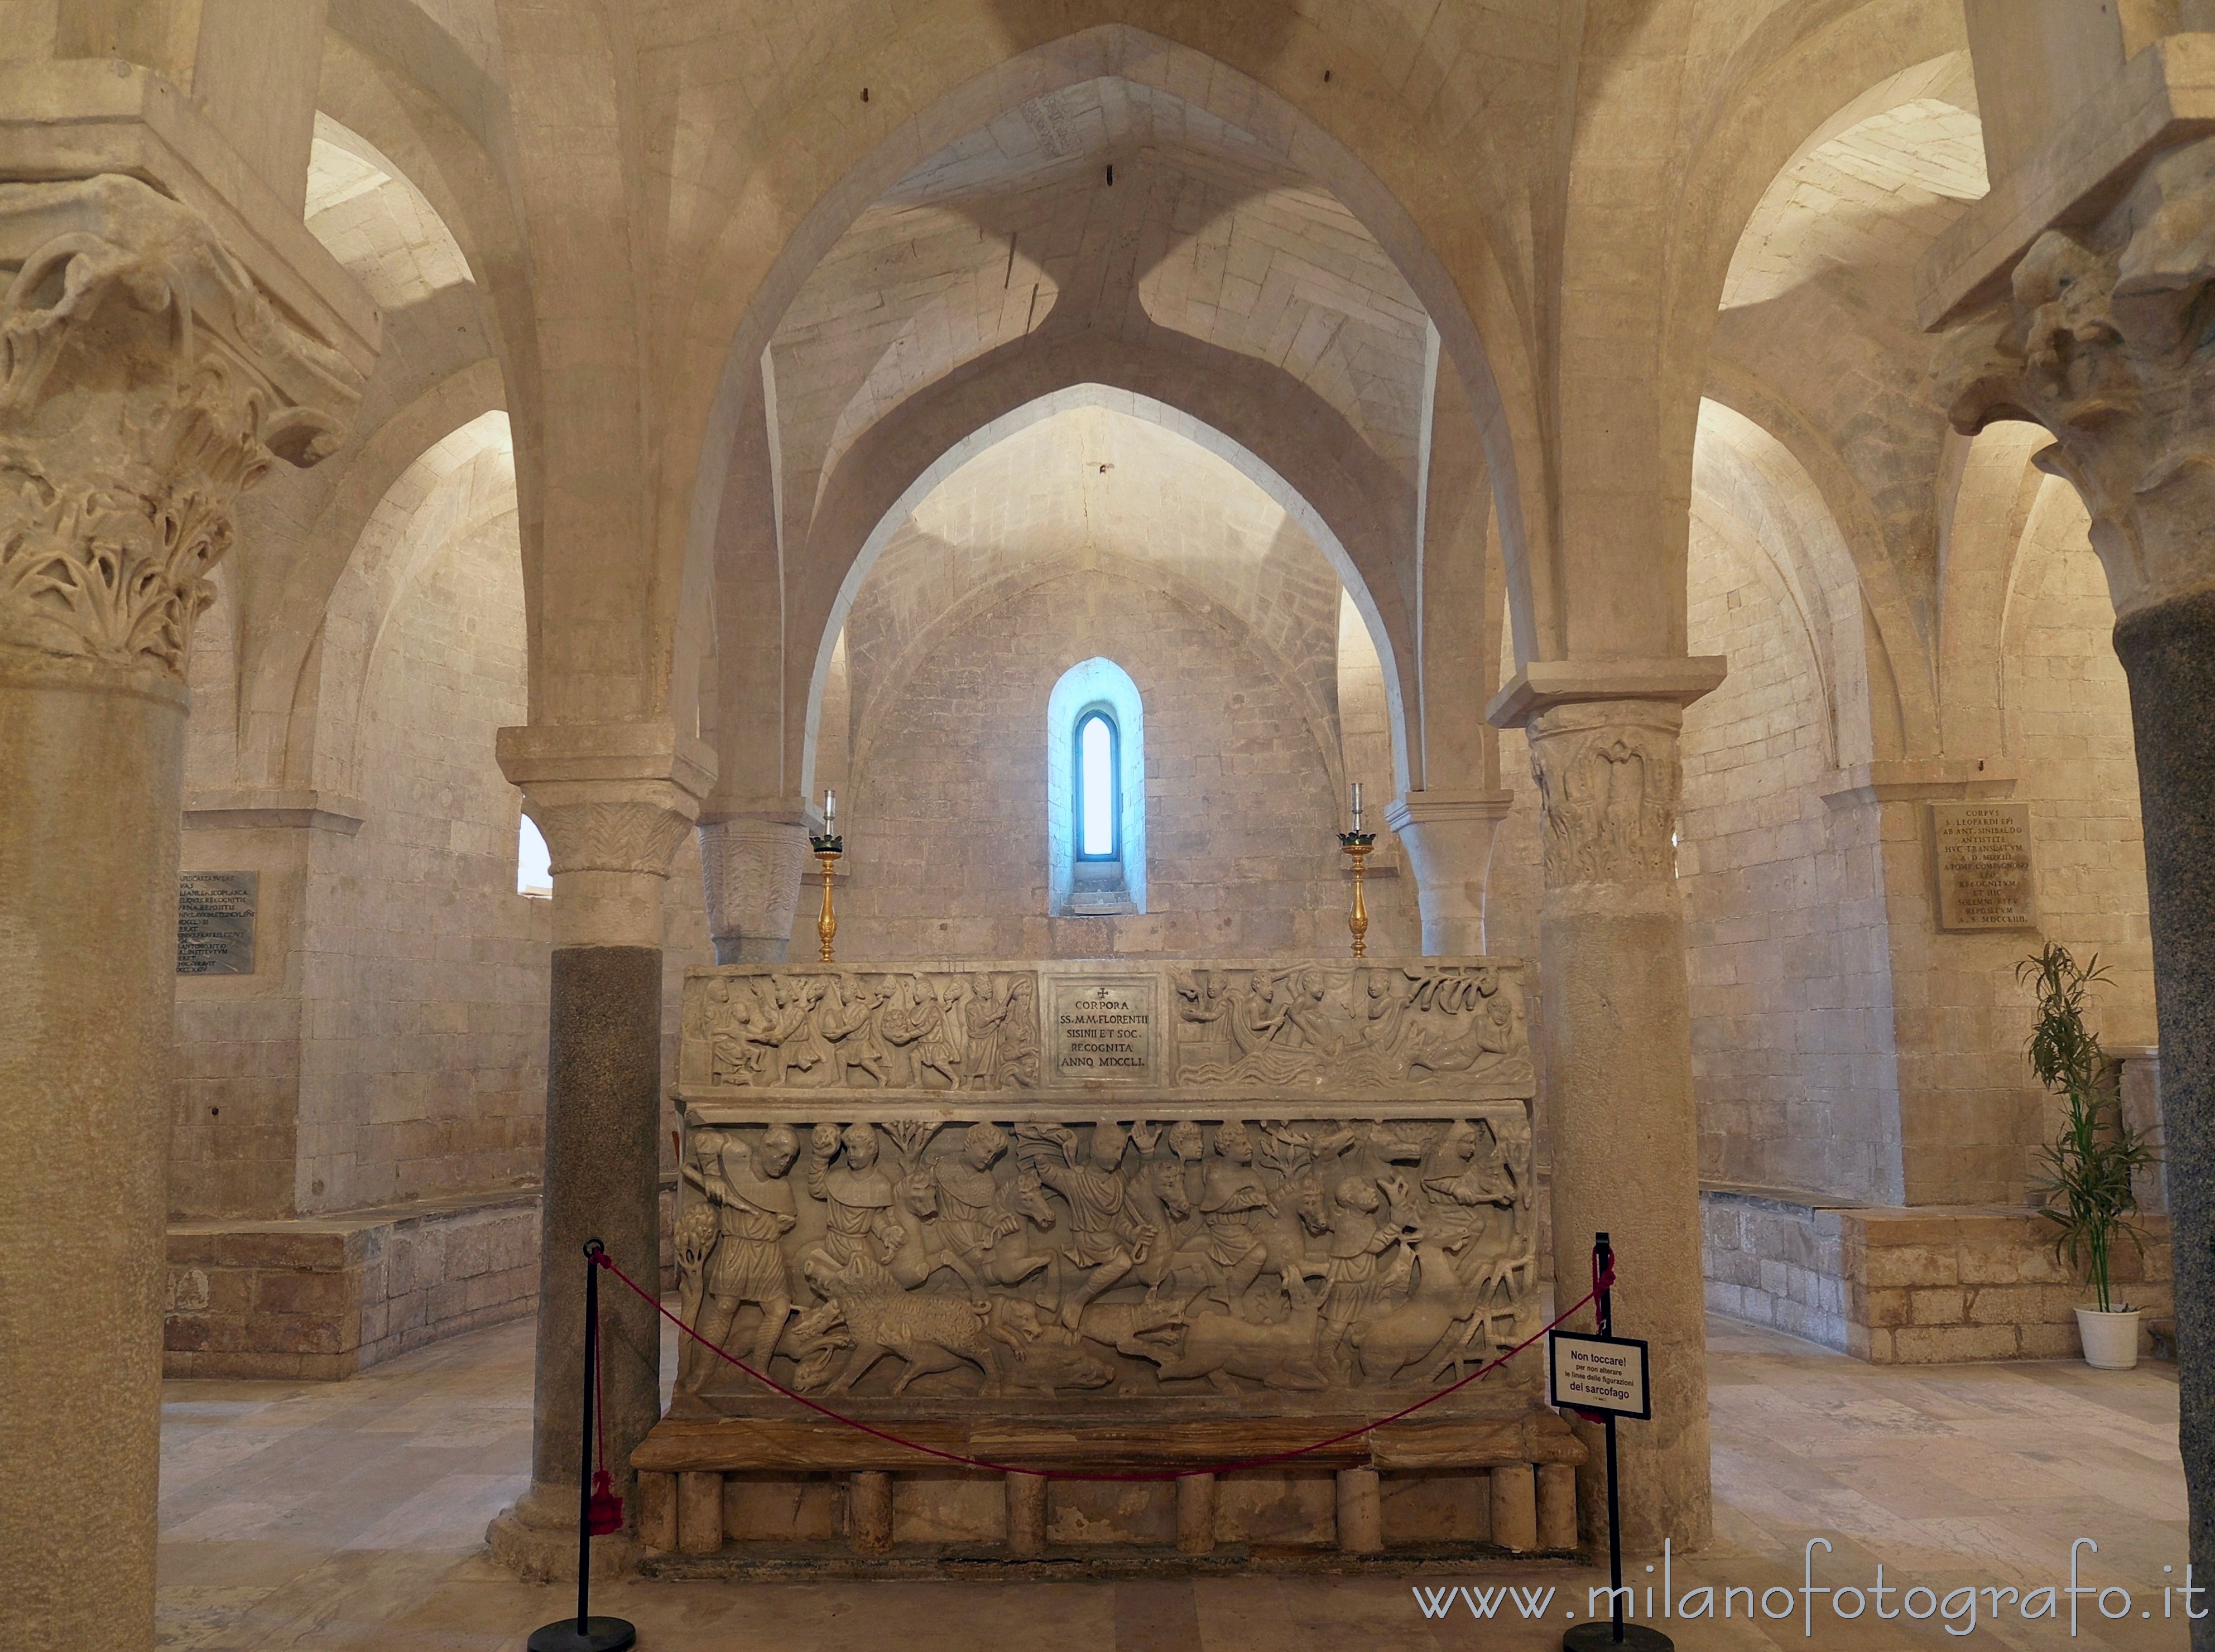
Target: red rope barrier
{"type": "Point", "coordinates": [602, 1259]}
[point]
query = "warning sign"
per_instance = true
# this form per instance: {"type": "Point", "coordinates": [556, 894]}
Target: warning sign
{"type": "Point", "coordinates": [1598, 1374]}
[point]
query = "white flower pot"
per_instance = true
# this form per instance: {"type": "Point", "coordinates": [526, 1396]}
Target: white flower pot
{"type": "Point", "coordinates": [2111, 1340]}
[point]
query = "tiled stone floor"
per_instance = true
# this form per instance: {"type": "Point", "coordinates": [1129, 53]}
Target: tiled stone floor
{"type": "Point", "coordinates": [350, 1514]}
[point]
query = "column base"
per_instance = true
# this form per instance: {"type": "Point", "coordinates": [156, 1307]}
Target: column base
{"type": "Point", "coordinates": [536, 1538]}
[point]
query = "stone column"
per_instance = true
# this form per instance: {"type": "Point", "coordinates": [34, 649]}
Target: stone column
{"type": "Point", "coordinates": [1448, 837]}
{"type": "Point", "coordinates": [752, 865]}
{"type": "Point", "coordinates": [143, 385]}
{"type": "Point", "coordinates": [2103, 341]}
{"type": "Point", "coordinates": [1619, 1063]}
{"type": "Point", "coordinates": [615, 803]}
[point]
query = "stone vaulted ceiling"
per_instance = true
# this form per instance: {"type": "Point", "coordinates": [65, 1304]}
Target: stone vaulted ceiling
{"type": "Point", "coordinates": [1109, 210]}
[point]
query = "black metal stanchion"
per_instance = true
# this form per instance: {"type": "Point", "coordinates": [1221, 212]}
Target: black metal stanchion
{"type": "Point", "coordinates": [584, 1632]}
{"type": "Point", "coordinates": [1613, 1375]}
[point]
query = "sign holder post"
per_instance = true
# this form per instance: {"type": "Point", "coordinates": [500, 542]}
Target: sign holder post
{"type": "Point", "coordinates": [1601, 1378]}
{"type": "Point", "coordinates": [584, 1632]}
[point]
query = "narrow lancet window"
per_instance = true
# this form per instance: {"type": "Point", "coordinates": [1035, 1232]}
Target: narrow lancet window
{"type": "Point", "coordinates": [1096, 802]}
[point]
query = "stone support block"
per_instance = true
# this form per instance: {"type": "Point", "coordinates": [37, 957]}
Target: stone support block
{"type": "Point", "coordinates": [1921, 1283]}
{"type": "Point", "coordinates": [752, 868]}
{"type": "Point", "coordinates": [699, 1512]}
{"type": "Point", "coordinates": [657, 1511]}
{"type": "Point", "coordinates": [869, 1512]}
{"type": "Point", "coordinates": [1515, 1507]}
{"type": "Point", "coordinates": [1557, 1506]}
{"type": "Point", "coordinates": [1360, 1511]}
{"type": "Point", "coordinates": [1196, 1515]}
{"type": "Point", "coordinates": [1025, 1515]}
{"type": "Point", "coordinates": [319, 1298]}
{"type": "Point", "coordinates": [1448, 837]}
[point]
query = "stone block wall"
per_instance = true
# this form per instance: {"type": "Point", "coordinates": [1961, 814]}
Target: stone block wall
{"type": "Point", "coordinates": [1772, 1261]}
{"type": "Point", "coordinates": [390, 1043]}
{"type": "Point", "coordinates": [1785, 940]}
{"type": "Point", "coordinates": [323, 1299]}
{"type": "Point", "coordinates": [1228, 619]}
{"type": "Point", "coordinates": [1930, 1285]}
{"type": "Point", "coordinates": [1913, 1286]}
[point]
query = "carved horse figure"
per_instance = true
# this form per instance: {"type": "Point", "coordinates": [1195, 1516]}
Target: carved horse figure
{"type": "Point", "coordinates": [1015, 1255]}
{"type": "Point", "coordinates": [1158, 1196]}
{"type": "Point", "coordinates": [1421, 1325]}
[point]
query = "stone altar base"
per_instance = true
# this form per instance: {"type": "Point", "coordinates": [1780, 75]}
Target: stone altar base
{"type": "Point", "coordinates": [321, 1297]}
{"type": "Point", "coordinates": [1915, 1285]}
{"type": "Point", "coordinates": [1108, 1216]}
{"type": "Point", "coordinates": [781, 1495]}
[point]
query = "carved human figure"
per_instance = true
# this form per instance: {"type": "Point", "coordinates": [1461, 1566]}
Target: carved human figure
{"type": "Point", "coordinates": [755, 1208]}
{"type": "Point", "coordinates": [1234, 1201]}
{"type": "Point", "coordinates": [794, 1034]}
{"type": "Point", "coordinates": [946, 1044]}
{"type": "Point", "coordinates": [982, 1017]}
{"type": "Point", "coordinates": [848, 1022]}
{"type": "Point", "coordinates": [971, 1218]}
{"type": "Point", "coordinates": [1475, 1173]}
{"type": "Point", "coordinates": [856, 1195]}
{"type": "Point", "coordinates": [743, 1040]}
{"type": "Point", "coordinates": [1018, 1036]}
{"type": "Point", "coordinates": [1258, 1019]}
{"type": "Point", "coordinates": [911, 1010]}
{"type": "Point", "coordinates": [1352, 1274]}
{"type": "Point", "coordinates": [1204, 1007]}
{"type": "Point", "coordinates": [1307, 1017]}
{"type": "Point", "coordinates": [1105, 1235]}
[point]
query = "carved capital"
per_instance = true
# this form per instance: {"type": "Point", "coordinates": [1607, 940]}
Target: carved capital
{"type": "Point", "coordinates": [144, 384]}
{"type": "Point", "coordinates": [2105, 341]}
{"type": "Point", "coordinates": [587, 833]}
{"type": "Point", "coordinates": [1609, 778]}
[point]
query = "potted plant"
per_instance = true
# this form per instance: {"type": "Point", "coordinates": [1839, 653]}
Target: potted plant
{"type": "Point", "coordinates": [2089, 1164]}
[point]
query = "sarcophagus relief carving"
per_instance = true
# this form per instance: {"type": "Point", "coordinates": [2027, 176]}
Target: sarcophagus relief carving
{"type": "Point", "coordinates": [1426, 1029]}
{"type": "Point", "coordinates": [1237, 1186]}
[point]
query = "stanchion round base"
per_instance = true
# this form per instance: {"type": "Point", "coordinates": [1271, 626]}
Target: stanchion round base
{"type": "Point", "coordinates": [1600, 1637]}
{"type": "Point", "coordinates": [601, 1635]}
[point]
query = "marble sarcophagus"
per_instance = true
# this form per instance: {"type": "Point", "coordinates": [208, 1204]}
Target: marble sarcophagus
{"type": "Point", "coordinates": [1076, 1216]}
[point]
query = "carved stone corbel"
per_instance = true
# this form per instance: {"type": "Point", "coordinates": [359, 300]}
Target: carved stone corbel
{"type": "Point", "coordinates": [752, 867]}
{"type": "Point", "coordinates": [144, 384]}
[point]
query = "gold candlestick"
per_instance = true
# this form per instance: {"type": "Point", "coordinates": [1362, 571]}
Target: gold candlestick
{"type": "Point", "coordinates": [1359, 845]}
{"type": "Point", "coordinates": [827, 850]}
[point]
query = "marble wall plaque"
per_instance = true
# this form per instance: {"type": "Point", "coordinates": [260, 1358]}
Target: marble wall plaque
{"type": "Point", "coordinates": [215, 922]}
{"type": "Point", "coordinates": [1106, 1030]}
{"type": "Point", "coordinates": [1985, 876]}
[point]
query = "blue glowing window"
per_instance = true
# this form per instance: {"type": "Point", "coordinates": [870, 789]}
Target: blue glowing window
{"type": "Point", "coordinates": [1098, 781]}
